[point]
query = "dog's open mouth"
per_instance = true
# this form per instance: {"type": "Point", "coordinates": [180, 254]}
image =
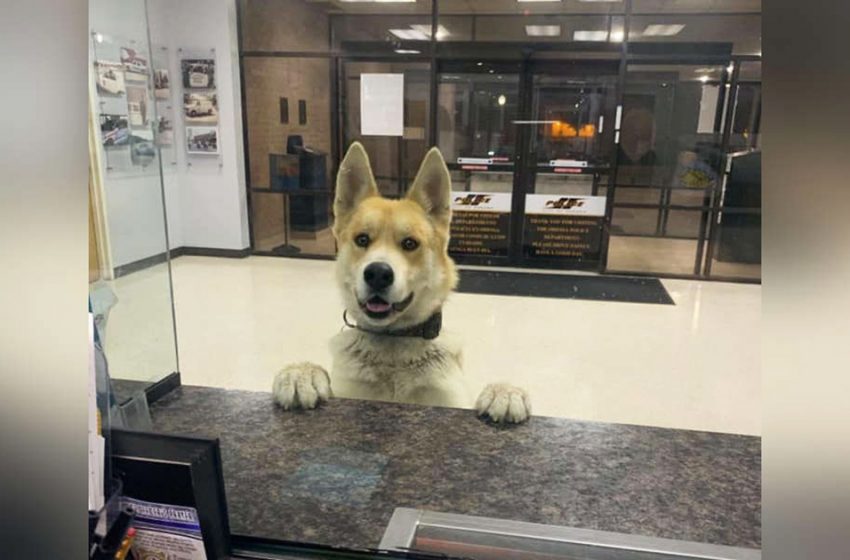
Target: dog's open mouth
{"type": "Point", "coordinates": [377, 307]}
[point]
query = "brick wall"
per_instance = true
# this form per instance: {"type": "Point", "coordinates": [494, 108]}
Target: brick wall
{"type": "Point", "coordinates": [284, 25]}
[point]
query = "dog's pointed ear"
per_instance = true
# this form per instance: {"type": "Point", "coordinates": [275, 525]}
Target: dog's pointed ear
{"type": "Point", "coordinates": [432, 188]}
{"type": "Point", "coordinates": [354, 182]}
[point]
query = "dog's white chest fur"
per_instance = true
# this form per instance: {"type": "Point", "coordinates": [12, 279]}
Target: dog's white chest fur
{"type": "Point", "coordinates": [401, 369]}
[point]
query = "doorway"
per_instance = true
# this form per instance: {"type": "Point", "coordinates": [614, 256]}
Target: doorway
{"type": "Point", "coordinates": [594, 163]}
{"type": "Point", "coordinates": [530, 147]}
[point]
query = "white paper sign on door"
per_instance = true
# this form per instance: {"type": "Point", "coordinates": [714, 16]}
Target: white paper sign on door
{"type": "Point", "coordinates": [382, 104]}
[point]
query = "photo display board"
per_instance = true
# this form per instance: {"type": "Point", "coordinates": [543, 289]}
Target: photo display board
{"type": "Point", "coordinates": [198, 105]}
{"type": "Point", "coordinates": [125, 104]}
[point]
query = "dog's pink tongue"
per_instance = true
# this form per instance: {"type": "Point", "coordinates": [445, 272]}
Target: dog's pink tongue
{"type": "Point", "coordinates": [376, 306]}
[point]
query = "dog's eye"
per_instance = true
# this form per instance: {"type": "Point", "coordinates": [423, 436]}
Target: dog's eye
{"type": "Point", "coordinates": [409, 244]}
{"type": "Point", "coordinates": [362, 240]}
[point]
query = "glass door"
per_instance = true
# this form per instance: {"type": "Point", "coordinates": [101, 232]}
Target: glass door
{"type": "Point", "coordinates": [477, 112]}
{"type": "Point", "coordinates": [568, 163]}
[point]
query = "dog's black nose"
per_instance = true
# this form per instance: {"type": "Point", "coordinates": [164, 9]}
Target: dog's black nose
{"type": "Point", "coordinates": [378, 275]}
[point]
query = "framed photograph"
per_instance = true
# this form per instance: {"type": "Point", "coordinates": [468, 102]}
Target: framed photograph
{"type": "Point", "coordinates": [114, 130]}
{"type": "Point", "coordinates": [137, 105]}
{"type": "Point", "coordinates": [198, 73]}
{"type": "Point", "coordinates": [202, 140]}
{"type": "Point", "coordinates": [133, 61]}
{"type": "Point", "coordinates": [161, 85]}
{"type": "Point", "coordinates": [109, 77]}
{"type": "Point", "coordinates": [142, 150]}
{"type": "Point", "coordinates": [164, 131]}
{"type": "Point", "coordinates": [176, 472]}
{"type": "Point", "coordinates": [200, 108]}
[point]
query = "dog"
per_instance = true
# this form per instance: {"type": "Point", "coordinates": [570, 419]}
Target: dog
{"type": "Point", "coordinates": [394, 274]}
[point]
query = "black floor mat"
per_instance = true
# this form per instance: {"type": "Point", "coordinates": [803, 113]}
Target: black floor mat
{"type": "Point", "coordinates": [601, 288]}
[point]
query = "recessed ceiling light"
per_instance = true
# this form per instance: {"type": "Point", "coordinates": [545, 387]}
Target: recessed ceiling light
{"type": "Point", "coordinates": [617, 36]}
{"type": "Point", "coordinates": [408, 51]}
{"type": "Point", "coordinates": [590, 35]}
{"type": "Point", "coordinates": [538, 0]}
{"type": "Point", "coordinates": [379, 1]}
{"type": "Point", "coordinates": [502, 100]}
{"type": "Point", "coordinates": [543, 30]}
{"type": "Point", "coordinates": [703, 79]}
{"type": "Point", "coordinates": [599, 0]}
{"type": "Point", "coordinates": [425, 28]}
{"type": "Point", "coordinates": [409, 34]}
{"type": "Point", "coordinates": [658, 30]}
{"type": "Point", "coordinates": [480, 64]}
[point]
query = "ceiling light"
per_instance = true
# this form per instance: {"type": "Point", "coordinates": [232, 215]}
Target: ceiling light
{"type": "Point", "coordinates": [502, 100]}
{"type": "Point", "coordinates": [379, 1]}
{"type": "Point", "coordinates": [730, 67]}
{"type": "Point", "coordinates": [543, 30]}
{"type": "Point", "coordinates": [425, 28]}
{"type": "Point", "coordinates": [538, 0]}
{"type": "Point", "coordinates": [590, 35]}
{"type": "Point", "coordinates": [617, 36]}
{"type": "Point", "coordinates": [703, 79]}
{"type": "Point", "coordinates": [408, 51]}
{"type": "Point", "coordinates": [599, 0]}
{"type": "Point", "coordinates": [480, 64]}
{"type": "Point", "coordinates": [409, 34]}
{"type": "Point", "coordinates": [658, 30]}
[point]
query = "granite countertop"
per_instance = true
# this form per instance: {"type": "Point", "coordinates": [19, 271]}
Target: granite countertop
{"type": "Point", "coordinates": [334, 475]}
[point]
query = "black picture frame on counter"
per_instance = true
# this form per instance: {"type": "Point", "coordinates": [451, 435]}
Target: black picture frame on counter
{"type": "Point", "coordinates": [177, 470]}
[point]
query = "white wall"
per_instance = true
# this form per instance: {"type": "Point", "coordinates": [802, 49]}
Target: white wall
{"type": "Point", "coordinates": [211, 200]}
{"type": "Point", "coordinates": [206, 203]}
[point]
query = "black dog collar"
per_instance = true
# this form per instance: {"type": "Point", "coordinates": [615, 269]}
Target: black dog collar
{"type": "Point", "coordinates": [428, 330]}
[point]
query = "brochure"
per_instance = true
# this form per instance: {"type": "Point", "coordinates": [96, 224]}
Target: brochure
{"type": "Point", "coordinates": [165, 532]}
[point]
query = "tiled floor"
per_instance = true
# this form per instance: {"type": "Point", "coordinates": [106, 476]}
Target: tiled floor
{"type": "Point", "coordinates": [695, 365]}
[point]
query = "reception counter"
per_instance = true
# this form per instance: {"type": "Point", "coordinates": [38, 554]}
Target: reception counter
{"type": "Point", "coordinates": [335, 475]}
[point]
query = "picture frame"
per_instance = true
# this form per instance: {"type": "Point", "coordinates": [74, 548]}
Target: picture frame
{"type": "Point", "coordinates": [177, 470]}
{"type": "Point", "coordinates": [137, 105]}
{"type": "Point", "coordinates": [133, 61]}
{"type": "Point", "coordinates": [200, 107]}
{"type": "Point", "coordinates": [161, 84]}
{"type": "Point", "coordinates": [202, 140]}
{"type": "Point", "coordinates": [198, 73]}
{"type": "Point", "coordinates": [114, 130]}
{"type": "Point", "coordinates": [109, 77]}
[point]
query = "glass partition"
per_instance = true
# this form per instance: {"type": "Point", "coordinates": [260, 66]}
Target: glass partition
{"type": "Point", "coordinates": [525, 334]}
{"type": "Point", "coordinates": [132, 166]}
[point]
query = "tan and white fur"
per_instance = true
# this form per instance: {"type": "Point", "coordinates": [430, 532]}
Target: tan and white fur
{"type": "Point", "coordinates": [394, 272]}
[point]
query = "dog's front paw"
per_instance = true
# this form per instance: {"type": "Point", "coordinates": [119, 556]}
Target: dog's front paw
{"type": "Point", "coordinates": [302, 385]}
{"type": "Point", "coordinates": [504, 403]}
